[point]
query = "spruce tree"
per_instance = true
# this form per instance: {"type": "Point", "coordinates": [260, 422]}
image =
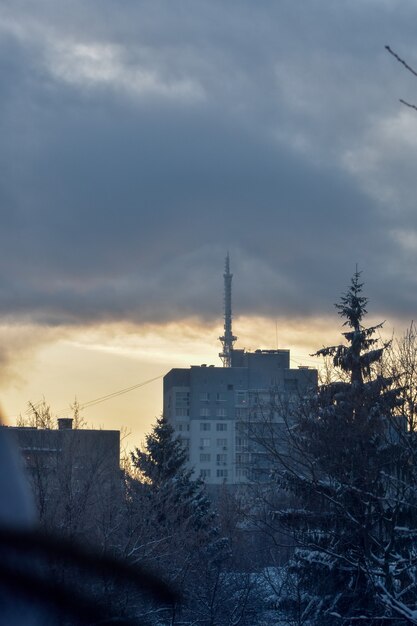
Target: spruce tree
{"type": "Point", "coordinates": [163, 455]}
{"type": "Point", "coordinates": [177, 528]}
{"type": "Point", "coordinates": [176, 497]}
{"type": "Point", "coordinates": [354, 488]}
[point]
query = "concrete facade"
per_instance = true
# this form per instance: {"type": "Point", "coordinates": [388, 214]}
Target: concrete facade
{"type": "Point", "coordinates": [74, 473]}
{"type": "Point", "coordinates": [210, 409]}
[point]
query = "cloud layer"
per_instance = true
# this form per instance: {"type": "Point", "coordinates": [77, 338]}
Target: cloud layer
{"type": "Point", "coordinates": [141, 141]}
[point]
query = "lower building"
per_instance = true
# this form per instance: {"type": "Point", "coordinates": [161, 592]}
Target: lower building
{"type": "Point", "coordinates": [74, 473]}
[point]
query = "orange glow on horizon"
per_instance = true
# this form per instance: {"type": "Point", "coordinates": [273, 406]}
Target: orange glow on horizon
{"type": "Point", "coordinates": [90, 362]}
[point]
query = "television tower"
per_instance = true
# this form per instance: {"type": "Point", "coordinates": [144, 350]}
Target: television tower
{"type": "Point", "coordinates": [228, 338]}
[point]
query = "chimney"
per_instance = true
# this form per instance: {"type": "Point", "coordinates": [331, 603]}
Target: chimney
{"type": "Point", "coordinates": [65, 423]}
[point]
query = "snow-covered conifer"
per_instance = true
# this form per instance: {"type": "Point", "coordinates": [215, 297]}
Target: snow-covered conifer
{"type": "Point", "coordinates": [354, 488]}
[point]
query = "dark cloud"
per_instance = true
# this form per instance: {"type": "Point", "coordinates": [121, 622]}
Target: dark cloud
{"type": "Point", "coordinates": [138, 145]}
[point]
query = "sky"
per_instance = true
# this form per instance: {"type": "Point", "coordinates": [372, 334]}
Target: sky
{"type": "Point", "coordinates": [142, 140]}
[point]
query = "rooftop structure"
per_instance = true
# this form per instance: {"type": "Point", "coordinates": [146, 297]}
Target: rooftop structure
{"type": "Point", "coordinates": [228, 339]}
{"type": "Point", "coordinates": [216, 410]}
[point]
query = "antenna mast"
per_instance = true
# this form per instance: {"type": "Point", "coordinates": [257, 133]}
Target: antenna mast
{"type": "Point", "coordinates": [228, 338]}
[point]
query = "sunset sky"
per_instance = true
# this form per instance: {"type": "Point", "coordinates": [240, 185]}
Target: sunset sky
{"type": "Point", "coordinates": [141, 141]}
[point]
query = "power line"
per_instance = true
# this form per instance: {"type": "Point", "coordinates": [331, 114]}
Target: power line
{"type": "Point", "coordinates": [304, 361]}
{"type": "Point", "coordinates": [119, 393]}
{"type": "Point", "coordinates": [114, 394]}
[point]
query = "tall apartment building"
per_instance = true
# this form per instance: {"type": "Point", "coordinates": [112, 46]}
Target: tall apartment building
{"type": "Point", "coordinates": [218, 411]}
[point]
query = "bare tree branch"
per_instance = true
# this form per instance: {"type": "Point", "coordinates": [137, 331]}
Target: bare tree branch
{"type": "Point", "coordinates": [408, 104]}
{"type": "Point", "coordinates": [400, 60]}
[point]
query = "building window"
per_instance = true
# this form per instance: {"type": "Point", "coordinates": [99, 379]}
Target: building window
{"type": "Point", "coordinates": [241, 397]}
{"type": "Point", "coordinates": [182, 403]}
{"type": "Point", "coordinates": [241, 413]}
{"type": "Point", "coordinates": [205, 426]}
{"type": "Point", "coordinates": [221, 473]}
{"type": "Point", "coordinates": [204, 457]}
{"type": "Point", "coordinates": [221, 412]}
{"type": "Point", "coordinates": [221, 443]}
{"type": "Point", "coordinates": [221, 459]}
{"type": "Point", "coordinates": [230, 387]}
{"type": "Point", "coordinates": [182, 398]}
{"type": "Point", "coordinates": [204, 396]}
{"type": "Point", "coordinates": [221, 426]}
{"type": "Point", "coordinates": [204, 443]}
{"type": "Point", "coordinates": [205, 473]}
{"type": "Point", "coordinates": [182, 411]}
{"type": "Point", "coordinates": [205, 412]}
{"type": "Point", "coordinates": [291, 385]}
{"type": "Point", "coordinates": [221, 396]}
